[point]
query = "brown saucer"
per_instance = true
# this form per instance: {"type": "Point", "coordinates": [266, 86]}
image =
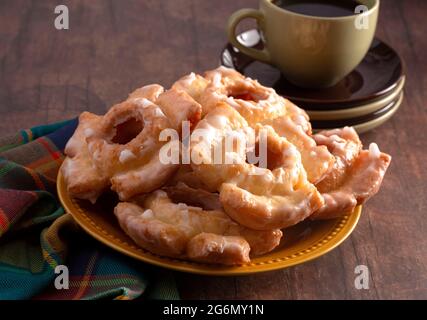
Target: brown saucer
{"type": "Point", "coordinates": [377, 75]}
{"type": "Point", "coordinates": [381, 113]}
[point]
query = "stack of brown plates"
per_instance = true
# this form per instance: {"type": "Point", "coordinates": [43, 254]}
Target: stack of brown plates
{"type": "Point", "coordinates": [369, 96]}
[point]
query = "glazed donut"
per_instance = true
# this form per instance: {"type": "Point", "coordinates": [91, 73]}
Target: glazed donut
{"type": "Point", "coordinates": [122, 147]}
{"type": "Point", "coordinates": [82, 178]}
{"type": "Point", "coordinates": [192, 84]}
{"type": "Point", "coordinates": [260, 105]}
{"type": "Point", "coordinates": [316, 159]}
{"type": "Point", "coordinates": [344, 144]}
{"type": "Point", "coordinates": [196, 197]}
{"type": "Point", "coordinates": [150, 92]}
{"type": "Point", "coordinates": [178, 107]}
{"type": "Point", "coordinates": [210, 164]}
{"type": "Point", "coordinates": [182, 231]}
{"type": "Point", "coordinates": [126, 148]}
{"type": "Point", "coordinates": [254, 101]}
{"type": "Point", "coordinates": [259, 198]}
{"type": "Point", "coordinates": [185, 174]}
{"type": "Point", "coordinates": [134, 166]}
{"type": "Point", "coordinates": [356, 176]}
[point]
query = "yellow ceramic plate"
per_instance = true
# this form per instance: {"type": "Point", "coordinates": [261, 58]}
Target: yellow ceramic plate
{"type": "Point", "coordinates": [301, 243]}
{"type": "Point", "coordinates": [359, 111]}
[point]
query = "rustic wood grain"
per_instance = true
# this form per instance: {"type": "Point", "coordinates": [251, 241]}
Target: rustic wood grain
{"type": "Point", "coordinates": [114, 46]}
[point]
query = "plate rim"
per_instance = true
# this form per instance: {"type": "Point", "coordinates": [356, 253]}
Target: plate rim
{"type": "Point", "coordinates": [346, 225]}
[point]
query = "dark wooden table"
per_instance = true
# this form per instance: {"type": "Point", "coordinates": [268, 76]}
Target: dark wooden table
{"type": "Point", "coordinates": [114, 46]}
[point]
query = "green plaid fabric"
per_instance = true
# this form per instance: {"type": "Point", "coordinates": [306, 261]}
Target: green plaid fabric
{"type": "Point", "coordinates": [36, 235]}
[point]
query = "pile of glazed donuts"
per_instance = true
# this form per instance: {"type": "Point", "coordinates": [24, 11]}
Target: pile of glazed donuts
{"type": "Point", "coordinates": [214, 211]}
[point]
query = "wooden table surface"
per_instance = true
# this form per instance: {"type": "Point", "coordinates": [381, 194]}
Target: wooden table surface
{"type": "Point", "coordinates": [114, 46]}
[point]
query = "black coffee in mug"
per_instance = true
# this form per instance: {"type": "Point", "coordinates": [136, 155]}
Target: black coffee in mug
{"type": "Point", "coordinates": [319, 8]}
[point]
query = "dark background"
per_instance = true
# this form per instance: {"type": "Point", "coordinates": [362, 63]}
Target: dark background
{"type": "Point", "coordinates": [115, 46]}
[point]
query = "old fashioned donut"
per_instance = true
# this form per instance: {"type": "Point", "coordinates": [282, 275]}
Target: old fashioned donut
{"type": "Point", "coordinates": [253, 101]}
{"type": "Point", "coordinates": [185, 174]}
{"type": "Point", "coordinates": [82, 177]}
{"type": "Point", "coordinates": [192, 84]}
{"type": "Point", "coordinates": [122, 147]}
{"type": "Point", "coordinates": [131, 176]}
{"type": "Point", "coordinates": [181, 192]}
{"type": "Point", "coordinates": [269, 198]}
{"type": "Point", "coordinates": [356, 176]}
{"type": "Point", "coordinates": [126, 148]}
{"type": "Point", "coordinates": [150, 92]}
{"type": "Point", "coordinates": [183, 231]}
{"type": "Point", "coordinates": [260, 105]}
{"type": "Point", "coordinates": [316, 159]}
{"type": "Point", "coordinates": [345, 145]}
{"type": "Point", "coordinates": [178, 107]}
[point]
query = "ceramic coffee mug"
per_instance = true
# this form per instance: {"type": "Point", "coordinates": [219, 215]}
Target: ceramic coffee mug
{"type": "Point", "coordinates": [311, 51]}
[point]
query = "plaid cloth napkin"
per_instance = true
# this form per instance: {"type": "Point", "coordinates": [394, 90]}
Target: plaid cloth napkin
{"type": "Point", "coordinates": [36, 235]}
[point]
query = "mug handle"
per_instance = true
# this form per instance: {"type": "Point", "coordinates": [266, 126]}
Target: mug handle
{"type": "Point", "coordinates": [234, 20]}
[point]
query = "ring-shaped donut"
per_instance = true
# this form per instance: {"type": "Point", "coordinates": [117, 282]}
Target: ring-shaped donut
{"type": "Point", "coordinates": [82, 177]}
{"type": "Point", "coordinates": [269, 198]}
{"type": "Point", "coordinates": [356, 175]}
{"type": "Point", "coordinates": [178, 230]}
{"type": "Point", "coordinates": [132, 165]}
{"type": "Point", "coordinates": [260, 105]}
